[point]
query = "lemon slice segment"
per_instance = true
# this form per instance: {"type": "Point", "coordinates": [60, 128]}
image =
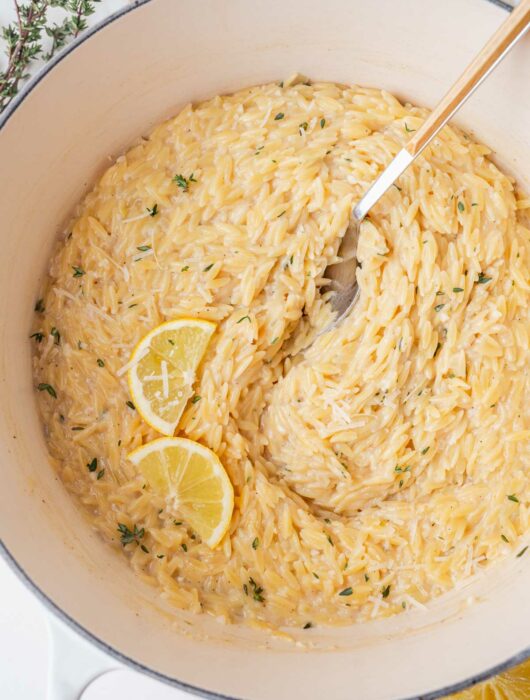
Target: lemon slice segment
{"type": "Point", "coordinates": [513, 684]}
{"type": "Point", "coordinates": [162, 370]}
{"type": "Point", "coordinates": [193, 481]}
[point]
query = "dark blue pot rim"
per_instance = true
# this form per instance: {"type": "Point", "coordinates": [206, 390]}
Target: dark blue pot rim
{"type": "Point", "coordinates": [38, 592]}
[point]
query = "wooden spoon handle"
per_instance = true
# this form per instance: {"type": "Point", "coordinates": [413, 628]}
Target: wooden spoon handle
{"type": "Point", "coordinates": [493, 52]}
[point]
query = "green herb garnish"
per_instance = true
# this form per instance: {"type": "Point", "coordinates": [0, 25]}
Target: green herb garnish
{"type": "Point", "coordinates": [185, 268]}
{"type": "Point", "coordinates": [143, 248]}
{"type": "Point", "coordinates": [131, 405]}
{"type": "Point", "coordinates": [255, 543]}
{"type": "Point", "coordinates": [523, 550]}
{"type": "Point", "coordinates": [322, 123]}
{"type": "Point", "coordinates": [243, 318]}
{"type": "Point", "coordinates": [127, 536]}
{"type": "Point", "coordinates": [346, 591]}
{"type": "Point", "coordinates": [38, 336]}
{"type": "Point", "coordinates": [279, 116]}
{"type": "Point", "coordinates": [78, 271]}
{"type": "Point", "coordinates": [439, 307]}
{"type": "Point", "coordinates": [183, 182]}
{"type": "Point", "coordinates": [257, 591]}
{"type": "Point", "coordinates": [308, 625]}
{"type": "Point", "coordinates": [425, 450]}
{"type": "Point", "coordinates": [195, 399]}
{"type": "Point", "coordinates": [457, 290]}
{"type": "Point", "coordinates": [513, 497]}
{"type": "Point", "coordinates": [49, 388]}
{"type": "Point", "coordinates": [461, 206]}
{"type": "Point", "coordinates": [482, 279]}
{"type": "Point", "coordinates": [153, 211]}
{"type": "Point", "coordinates": [100, 474]}
{"type": "Point", "coordinates": [303, 126]}
{"type": "Point", "coordinates": [409, 131]}
{"type": "Point", "coordinates": [39, 306]}
{"type": "Point", "coordinates": [93, 465]}
{"type": "Point", "coordinates": [386, 591]}
{"type": "Point", "coordinates": [505, 538]}
{"type": "Point", "coordinates": [208, 267]}
{"type": "Point", "coordinates": [184, 546]}
{"type": "Point", "coordinates": [100, 362]}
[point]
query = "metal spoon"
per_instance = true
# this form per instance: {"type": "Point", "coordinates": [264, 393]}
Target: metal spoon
{"type": "Point", "coordinates": [342, 275]}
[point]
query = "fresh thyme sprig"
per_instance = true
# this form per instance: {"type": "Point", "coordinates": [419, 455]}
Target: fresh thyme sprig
{"type": "Point", "coordinates": [26, 38]}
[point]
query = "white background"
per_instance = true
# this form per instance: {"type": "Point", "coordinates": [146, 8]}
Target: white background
{"type": "Point", "coordinates": [24, 643]}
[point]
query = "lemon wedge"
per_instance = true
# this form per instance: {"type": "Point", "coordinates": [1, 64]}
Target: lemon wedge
{"type": "Point", "coordinates": [162, 370]}
{"type": "Point", "coordinates": [510, 685]}
{"type": "Point", "coordinates": [193, 481]}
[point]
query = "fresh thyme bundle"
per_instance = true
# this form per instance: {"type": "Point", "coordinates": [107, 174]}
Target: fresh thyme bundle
{"type": "Point", "coordinates": [33, 36]}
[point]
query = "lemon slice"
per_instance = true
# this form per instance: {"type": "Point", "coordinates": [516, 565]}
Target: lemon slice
{"type": "Point", "coordinates": [510, 685]}
{"type": "Point", "coordinates": [193, 481]}
{"type": "Point", "coordinates": [162, 370]}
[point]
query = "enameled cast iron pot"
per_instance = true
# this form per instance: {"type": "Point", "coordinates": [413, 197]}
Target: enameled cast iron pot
{"type": "Point", "coordinates": [115, 82]}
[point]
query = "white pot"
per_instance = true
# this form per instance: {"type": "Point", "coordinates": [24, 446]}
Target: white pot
{"type": "Point", "coordinates": [112, 85]}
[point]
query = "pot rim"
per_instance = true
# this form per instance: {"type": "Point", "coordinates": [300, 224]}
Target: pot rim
{"type": "Point", "coordinates": [18, 569]}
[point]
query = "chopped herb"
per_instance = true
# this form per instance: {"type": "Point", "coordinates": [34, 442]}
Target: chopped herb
{"type": "Point", "coordinates": [346, 591]}
{"type": "Point", "coordinates": [79, 345]}
{"type": "Point", "coordinates": [482, 279]}
{"type": "Point", "coordinates": [366, 578]}
{"type": "Point", "coordinates": [255, 543]}
{"type": "Point", "coordinates": [195, 399]}
{"type": "Point", "coordinates": [93, 465]}
{"type": "Point", "coordinates": [283, 212]}
{"type": "Point", "coordinates": [523, 550]}
{"type": "Point", "coordinates": [474, 204]}
{"type": "Point", "coordinates": [55, 333]}
{"type": "Point", "coordinates": [38, 336]}
{"type": "Point", "coordinates": [461, 206]}
{"type": "Point", "coordinates": [403, 605]}
{"type": "Point", "coordinates": [143, 248]}
{"type": "Point", "coordinates": [144, 548]}
{"type": "Point", "coordinates": [397, 187]}
{"type": "Point", "coordinates": [308, 625]}
{"type": "Point", "coordinates": [505, 538]}
{"type": "Point", "coordinates": [425, 450]}
{"type": "Point", "coordinates": [78, 271]}
{"type": "Point", "coordinates": [131, 306]}
{"type": "Point", "coordinates": [153, 211]}
{"type": "Point", "coordinates": [457, 290]}
{"type": "Point", "coordinates": [128, 536]}
{"type": "Point", "coordinates": [177, 522]}
{"type": "Point", "coordinates": [409, 131]}
{"type": "Point", "coordinates": [171, 342]}
{"type": "Point", "coordinates": [49, 388]}
{"type": "Point", "coordinates": [160, 556]}
{"type": "Point", "coordinates": [401, 483]}
{"type": "Point", "coordinates": [243, 318]}
{"type": "Point", "coordinates": [185, 268]}
{"type": "Point", "coordinates": [330, 540]}
{"type": "Point", "coordinates": [183, 182]}
{"type": "Point", "coordinates": [184, 546]}
{"type": "Point", "coordinates": [315, 575]}
{"type": "Point", "coordinates": [439, 307]}
{"type": "Point", "coordinates": [513, 497]}
{"type": "Point", "coordinates": [39, 306]}
{"type": "Point", "coordinates": [397, 468]}
{"type": "Point", "coordinates": [386, 591]}
{"type": "Point", "coordinates": [438, 346]}
{"type": "Point", "coordinates": [279, 116]}
{"type": "Point", "coordinates": [208, 267]}
{"type": "Point", "coordinates": [78, 427]}
{"type": "Point", "coordinates": [131, 405]}
{"type": "Point", "coordinates": [439, 294]}
{"type": "Point", "coordinates": [100, 362]}
{"type": "Point", "coordinates": [257, 591]}
{"type": "Point", "coordinates": [101, 474]}
{"type": "Point", "coordinates": [327, 520]}
{"type": "Point", "coordinates": [303, 126]}
{"type": "Point", "coordinates": [274, 340]}
{"type": "Point", "coordinates": [280, 84]}
{"type": "Point", "coordinates": [322, 123]}
{"type": "Point", "coordinates": [245, 588]}
{"type": "Point", "coordinates": [119, 443]}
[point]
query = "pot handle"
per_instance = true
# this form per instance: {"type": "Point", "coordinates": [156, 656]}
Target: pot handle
{"type": "Point", "coordinates": [74, 663]}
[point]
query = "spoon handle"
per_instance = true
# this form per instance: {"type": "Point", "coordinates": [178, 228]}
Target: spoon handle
{"type": "Point", "coordinates": [491, 55]}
